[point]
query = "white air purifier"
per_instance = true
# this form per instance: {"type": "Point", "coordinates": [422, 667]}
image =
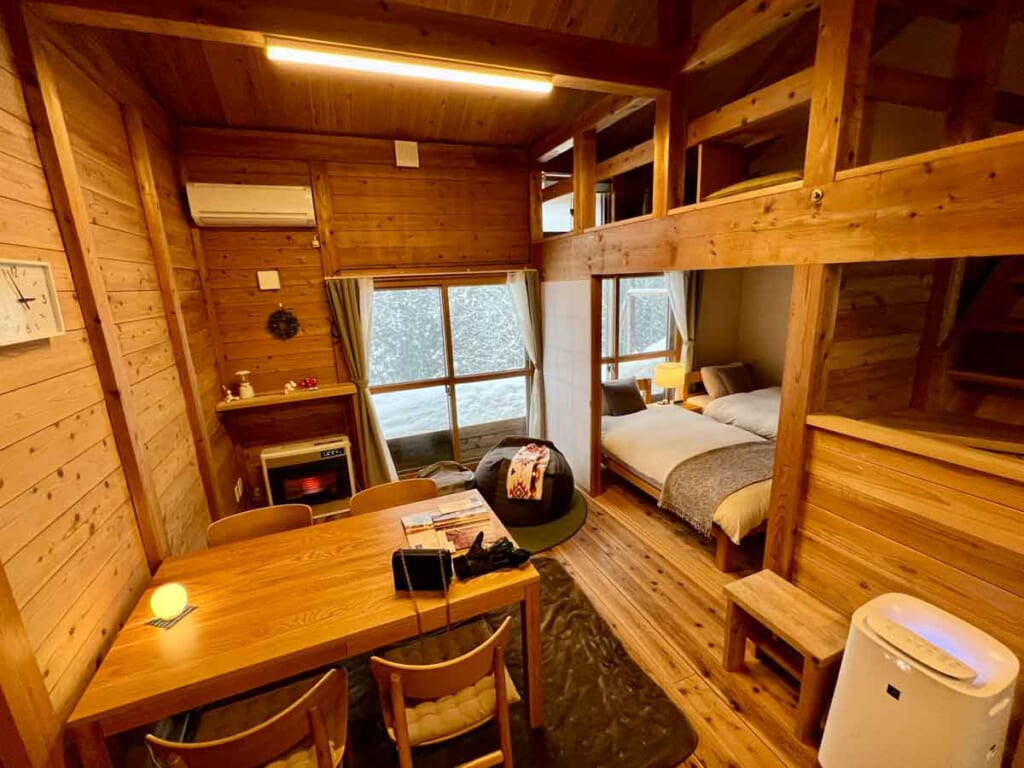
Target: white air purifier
{"type": "Point", "coordinates": [918, 688]}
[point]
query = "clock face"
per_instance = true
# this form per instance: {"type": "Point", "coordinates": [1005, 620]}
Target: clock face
{"type": "Point", "coordinates": [28, 303]}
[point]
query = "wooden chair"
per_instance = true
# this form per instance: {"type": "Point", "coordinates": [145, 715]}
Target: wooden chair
{"type": "Point", "coordinates": [393, 495]}
{"type": "Point", "coordinates": [432, 718]}
{"type": "Point", "coordinates": [311, 733]}
{"type": "Point", "coordinates": [259, 522]}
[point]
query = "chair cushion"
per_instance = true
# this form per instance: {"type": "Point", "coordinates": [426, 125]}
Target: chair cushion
{"type": "Point", "coordinates": [436, 720]}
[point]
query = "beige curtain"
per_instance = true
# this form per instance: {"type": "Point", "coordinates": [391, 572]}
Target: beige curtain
{"type": "Point", "coordinates": [684, 297]}
{"type": "Point", "coordinates": [351, 302]}
{"type": "Point", "coordinates": [525, 289]}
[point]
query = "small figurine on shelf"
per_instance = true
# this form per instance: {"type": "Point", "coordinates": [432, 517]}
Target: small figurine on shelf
{"type": "Point", "coordinates": [289, 387]}
{"type": "Point", "coordinates": [309, 383]}
{"type": "Point", "coordinates": [229, 396]}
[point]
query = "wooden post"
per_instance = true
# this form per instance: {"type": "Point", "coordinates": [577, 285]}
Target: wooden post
{"type": "Point", "coordinates": [981, 46]}
{"type": "Point", "coordinates": [137, 144]}
{"type": "Point", "coordinates": [584, 160]}
{"type": "Point", "coordinates": [29, 729]}
{"type": "Point", "coordinates": [44, 107]}
{"type": "Point", "coordinates": [812, 318]}
{"type": "Point", "coordinates": [840, 80]}
{"type": "Point", "coordinates": [536, 205]}
{"type": "Point", "coordinates": [669, 151]}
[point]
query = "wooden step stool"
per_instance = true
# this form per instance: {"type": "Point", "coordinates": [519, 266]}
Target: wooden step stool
{"type": "Point", "coordinates": [799, 632]}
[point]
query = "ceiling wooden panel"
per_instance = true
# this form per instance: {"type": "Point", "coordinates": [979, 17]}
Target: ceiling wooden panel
{"type": "Point", "coordinates": [216, 84]}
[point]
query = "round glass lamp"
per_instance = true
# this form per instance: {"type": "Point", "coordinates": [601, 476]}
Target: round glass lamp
{"type": "Point", "coordinates": [669, 376]}
{"type": "Point", "coordinates": [168, 601]}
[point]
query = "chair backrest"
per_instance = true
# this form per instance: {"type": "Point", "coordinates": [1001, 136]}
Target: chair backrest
{"type": "Point", "coordinates": [259, 522]}
{"type": "Point", "coordinates": [320, 715]}
{"type": "Point", "coordinates": [393, 495]}
{"type": "Point", "coordinates": [432, 681]}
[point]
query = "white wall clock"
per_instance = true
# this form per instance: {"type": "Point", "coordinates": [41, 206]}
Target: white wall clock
{"type": "Point", "coordinates": [29, 310]}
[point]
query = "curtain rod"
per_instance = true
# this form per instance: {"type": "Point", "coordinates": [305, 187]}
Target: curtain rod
{"type": "Point", "coordinates": [415, 275]}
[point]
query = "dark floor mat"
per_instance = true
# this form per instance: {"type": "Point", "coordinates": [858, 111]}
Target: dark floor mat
{"type": "Point", "coordinates": [600, 708]}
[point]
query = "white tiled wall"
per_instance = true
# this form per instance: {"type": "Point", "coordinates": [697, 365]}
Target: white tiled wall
{"type": "Point", "coordinates": [567, 371]}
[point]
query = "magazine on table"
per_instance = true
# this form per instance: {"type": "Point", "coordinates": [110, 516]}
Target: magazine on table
{"type": "Point", "coordinates": [452, 526]}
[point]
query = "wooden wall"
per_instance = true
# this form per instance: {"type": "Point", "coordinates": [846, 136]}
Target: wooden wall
{"type": "Point", "coordinates": [110, 188]}
{"type": "Point", "coordinates": [68, 542]}
{"type": "Point", "coordinates": [879, 321]}
{"type": "Point", "coordinates": [874, 520]}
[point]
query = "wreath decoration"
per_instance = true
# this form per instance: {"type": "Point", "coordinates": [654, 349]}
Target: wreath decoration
{"type": "Point", "coordinates": [282, 324]}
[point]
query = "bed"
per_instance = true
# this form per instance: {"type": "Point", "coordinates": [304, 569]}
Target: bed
{"type": "Point", "coordinates": [656, 447]}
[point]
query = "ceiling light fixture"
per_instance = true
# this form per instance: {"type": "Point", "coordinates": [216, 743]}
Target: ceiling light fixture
{"type": "Point", "coordinates": [359, 60]}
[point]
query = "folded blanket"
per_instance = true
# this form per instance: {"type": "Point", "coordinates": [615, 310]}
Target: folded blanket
{"type": "Point", "coordinates": [526, 472]}
{"type": "Point", "coordinates": [695, 488]}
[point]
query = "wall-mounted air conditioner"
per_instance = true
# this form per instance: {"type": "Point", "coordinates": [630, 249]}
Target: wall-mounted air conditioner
{"type": "Point", "coordinates": [250, 205]}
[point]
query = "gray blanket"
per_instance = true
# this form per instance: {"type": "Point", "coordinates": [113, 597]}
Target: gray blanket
{"type": "Point", "coordinates": [696, 487]}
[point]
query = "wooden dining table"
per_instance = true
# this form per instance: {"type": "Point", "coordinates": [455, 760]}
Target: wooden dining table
{"type": "Point", "coordinates": [276, 606]}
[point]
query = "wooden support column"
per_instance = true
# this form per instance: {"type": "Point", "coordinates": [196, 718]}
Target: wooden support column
{"type": "Point", "coordinates": [44, 107]}
{"type": "Point", "coordinates": [669, 151]}
{"type": "Point", "coordinates": [981, 46]}
{"type": "Point", "coordinates": [153, 216]}
{"type": "Point", "coordinates": [584, 161]}
{"type": "Point", "coordinates": [536, 204]}
{"type": "Point", "coordinates": [839, 87]}
{"type": "Point", "coordinates": [29, 729]}
{"type": "Point", "coordinates": [812, 317]}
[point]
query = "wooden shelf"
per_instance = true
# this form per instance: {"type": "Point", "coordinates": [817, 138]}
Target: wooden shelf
{"type": "Point", "coordinates": [935, 448]}
{"type": "Point", "coordinates": [958, 428]}
{"type": "Point", "coordinates": [345, 389]}
{"type": "Point", "coordinates": [976, 377]}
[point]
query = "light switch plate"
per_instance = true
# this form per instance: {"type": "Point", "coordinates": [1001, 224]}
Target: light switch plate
{"type": "Point", "coordinates": [407, 154]}
{"type": "Point", "coordinates": [268, 280]}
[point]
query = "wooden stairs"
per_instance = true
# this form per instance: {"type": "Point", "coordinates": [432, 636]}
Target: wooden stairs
{"type": "Point", "coordinates": [986, 347]}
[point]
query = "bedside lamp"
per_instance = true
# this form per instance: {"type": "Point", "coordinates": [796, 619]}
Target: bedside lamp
{"type": "Point", "coordinates": [669, 376]}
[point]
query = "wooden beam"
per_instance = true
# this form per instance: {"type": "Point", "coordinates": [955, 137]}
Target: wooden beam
{"type": "Point", "coordinates": [908, 88]}
{"type": "Point", "coordinates": [947, 280]}
{"type": "Point", "coordinates": [600, 115]}
{"type": "Point", "coordinates": [584, 201]}
{"type": "Point", "coordinates": [812, 314]}
{"type": "Point", "coordinates": [753, 20]}
{"type": "Point", "coordinates": [669, 149]}
{"type": "Point", "coordinates": [29, 729]}
{"type": "Point", "coordinates": [44, 107]}
{"type": "Point", "coordinates": [981, 45]}
{"type": "Point", "coordinates": [558, 189]}
{"type": "Point", "coordinates": [933, 205]}
{"type": "Point", "coordinates": [840, 77]}
{"type": "Point", "coordinates": [673, 23]}
{"type": "Point", "coordinates": [536, 204]}
{"type": "Point", "coordinates": [575, 61]}
{"type": "Point", "coordinates": [790, 93]}
{"type": "Point", "coordinates": [627, 160]}
{"type": "Point", "coordinates": [153, 216]}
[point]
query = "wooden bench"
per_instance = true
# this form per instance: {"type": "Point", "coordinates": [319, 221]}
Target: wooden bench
{"type": "Point", "coordinates": [797, 631]}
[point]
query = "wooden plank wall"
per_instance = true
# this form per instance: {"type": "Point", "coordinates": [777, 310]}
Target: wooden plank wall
{"type": "Point", "coordinates": [68, 541]}
{"type": "Point", "coordinates": [877, 520]}
{"type": "Point", "coordinates": [879, 322]}
{"type": "Point", "coordinates": [189, 276]}
{"type": "Point", "coordinates": [104, 164]}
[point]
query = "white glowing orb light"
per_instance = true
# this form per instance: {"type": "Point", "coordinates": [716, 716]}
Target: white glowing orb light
{"type": "Point", "coordinates": [168, 601]}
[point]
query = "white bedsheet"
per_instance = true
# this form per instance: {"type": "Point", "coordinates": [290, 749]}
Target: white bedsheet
{"type": "Point", "coordinates": [756, 411]}
{"type": "Point", "coordinates": [654, 441]}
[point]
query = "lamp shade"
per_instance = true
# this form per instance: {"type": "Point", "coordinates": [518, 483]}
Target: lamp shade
{"type": "Point", "coordinates": [669, 375]}
{"type": "Point", "coordinates": [168, 601]}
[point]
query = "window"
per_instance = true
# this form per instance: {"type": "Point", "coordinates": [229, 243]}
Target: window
{"type": "Point", "coordinates": [448, 370]}
{"type": "Point", "coordinates": [637, 329]}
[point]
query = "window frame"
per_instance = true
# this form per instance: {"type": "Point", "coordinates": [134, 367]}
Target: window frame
{"type": "Point", "coordinates": [615, 359]}
{"type": "Point", "coordinates": [451, 379]}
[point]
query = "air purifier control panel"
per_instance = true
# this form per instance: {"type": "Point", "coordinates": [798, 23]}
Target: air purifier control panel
{"type": "Point", "coordinates": [920, 649]}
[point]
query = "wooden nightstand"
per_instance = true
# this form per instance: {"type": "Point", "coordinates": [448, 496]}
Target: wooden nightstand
{"type": "Point", "coordinates": [690, 406]}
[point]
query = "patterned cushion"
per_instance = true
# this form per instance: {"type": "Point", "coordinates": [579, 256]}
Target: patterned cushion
{"type": "Point", "coordinates": [461, 711]}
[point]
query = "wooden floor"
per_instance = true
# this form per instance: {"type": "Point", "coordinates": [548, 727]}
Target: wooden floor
{"type": "Point", "coordinates": [654, 581]}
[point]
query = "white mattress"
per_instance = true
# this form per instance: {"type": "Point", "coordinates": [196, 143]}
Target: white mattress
{"type": "Point", "coordinates": [654, 441]}
{"type": "Point", "coordinates": [756, 411]}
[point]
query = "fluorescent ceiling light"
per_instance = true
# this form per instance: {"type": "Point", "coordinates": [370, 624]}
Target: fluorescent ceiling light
{"type": "Point", "coordinates": [404, 66]}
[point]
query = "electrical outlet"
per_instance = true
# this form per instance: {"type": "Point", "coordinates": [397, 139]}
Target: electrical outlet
{"type": "Point", "coordinates": [239, 489]}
